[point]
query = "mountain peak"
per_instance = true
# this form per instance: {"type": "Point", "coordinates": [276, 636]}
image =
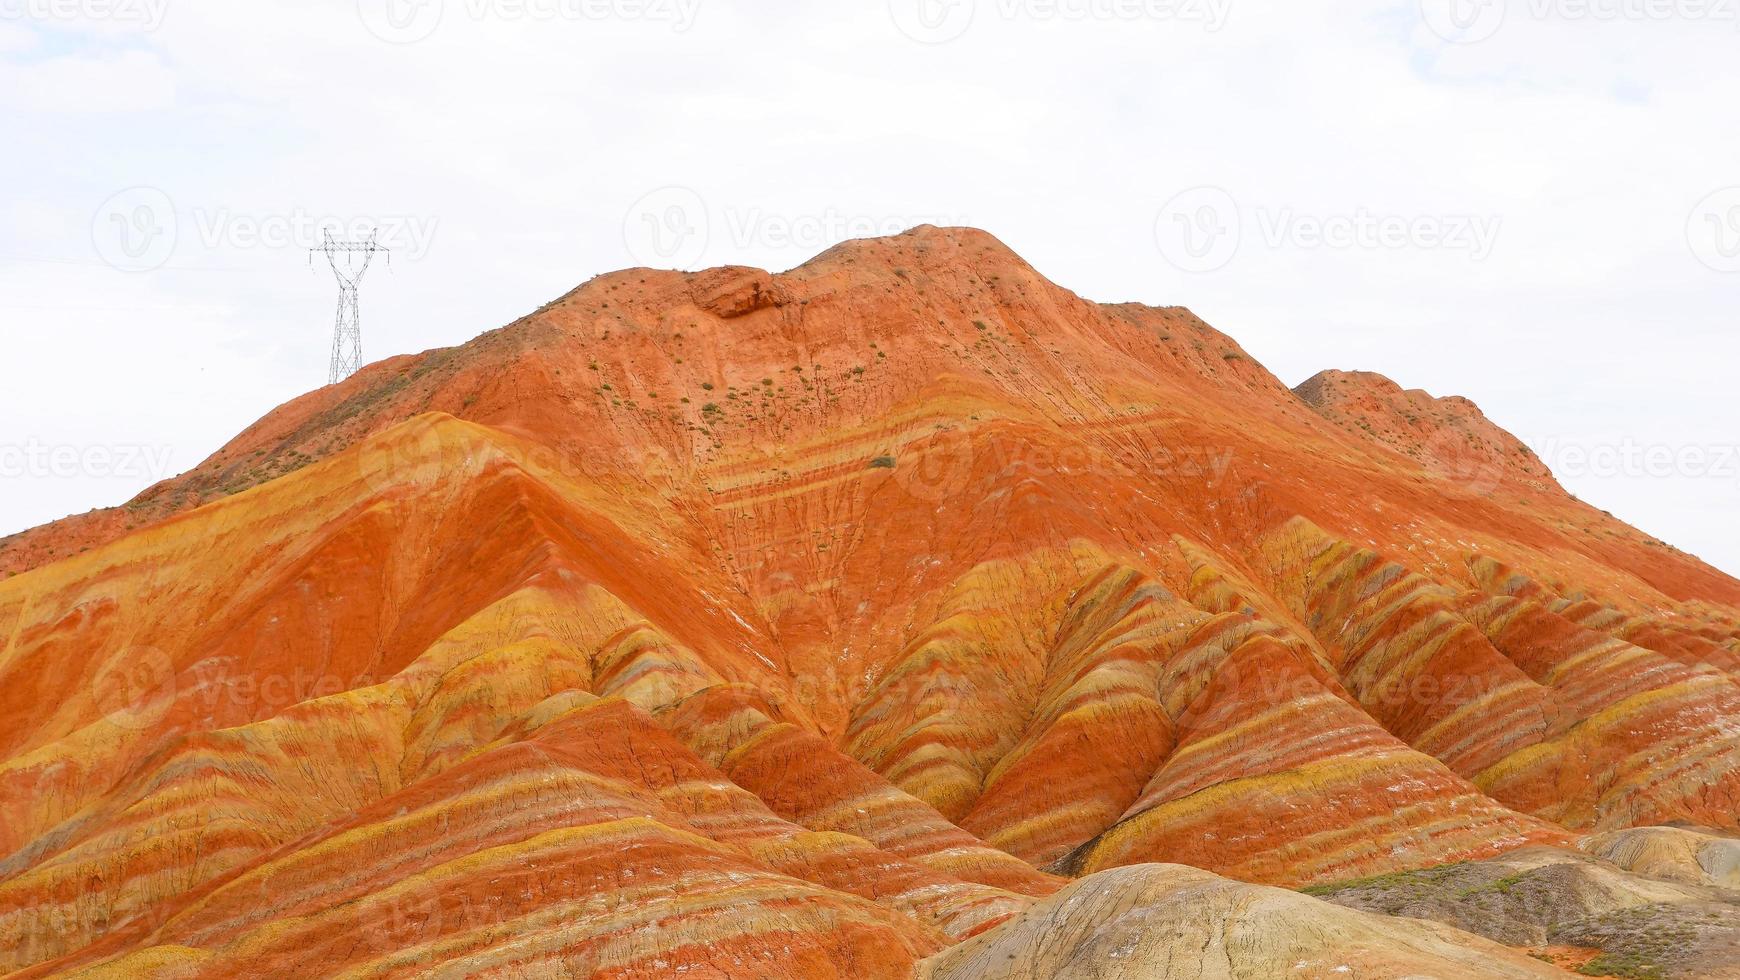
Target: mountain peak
{"type": "Point", "coordinates": [833, 619]}
{"type": "Point", "coordinates": [1450, 436]}
{"type": "Point", "coordinates": [642, 372]}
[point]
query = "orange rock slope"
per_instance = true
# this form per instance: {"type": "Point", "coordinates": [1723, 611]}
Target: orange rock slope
{"type": "Point", "coordinates": [737, 624]}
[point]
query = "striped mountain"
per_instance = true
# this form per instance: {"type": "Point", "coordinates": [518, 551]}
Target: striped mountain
{"type": "Point", "coordinates": [815, 624]}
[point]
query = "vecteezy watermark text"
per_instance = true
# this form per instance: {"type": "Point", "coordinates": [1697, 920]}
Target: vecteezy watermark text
{"type": "Point", "coordinates": [1473, 21]}
{"type": "Point", "coordinates": [408, 235]}
{"type": "Point", "coordinates": [1630, 459]}
{"type": "Point", "coordinates": [941, 21]}
{"type": "Point", "coordinates": [673, 227]}
{"type": "Point", "coordinates": [410, 21]}
{"type": "Point", "coordinates": [1203, 229]}
{"type": "Point", "coordinates": [144, 14]}
{"type": "Point", "coordinates": [139, 229]}
{"type": "Point", "coordinates": [40, 460]}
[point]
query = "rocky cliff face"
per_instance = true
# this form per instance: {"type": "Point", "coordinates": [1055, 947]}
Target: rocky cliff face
{"type": "Point", "coordinates": [738, 624]}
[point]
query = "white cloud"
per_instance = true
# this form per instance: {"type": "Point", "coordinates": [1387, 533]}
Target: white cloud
{"type": "Point", "coordinates": [128, 81]}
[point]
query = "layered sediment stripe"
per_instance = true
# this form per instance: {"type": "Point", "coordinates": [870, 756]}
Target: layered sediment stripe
{"type": "Point", "coordinates": [1260, 688]}
{"type": "Point", "coordinates": [214, 803]}
{"type": "Point", "coordinates": [333, 578]}
{"type": "Point", "coordinates": [623, 895]}
{"type": "Point", "coordinates": [1640, 737]}
{"type": "Point", "coordinates": [1698, 636]}
{"type": "Point", "coordinates": [803, 779]}
{"type": "Point", "coordinates": [1098, 730]}
{"type": "Point", "coordinates": [1667, 754]}
{"type": "Point", "coordinates": [1417, 666]}
{"type": "Point", "coordinates": [1206, 655]}
{"type": "Point", "coordinates": [1669, 640]}
{"type": "Point", "coordinates": [602, 765]}
{"type": "Point", "coordinates": [956, 908]}
{"type": "Point", "coordinates": [929, 533]}
{"type": "Point", "coordinates": [940, 886]}
{"type": "Point", "coordinates": [479, 696]}
{"type": "Point", "coordinates": [1216, 587]}
{"type": "Point", "coordinates": [1263, 783]}
{"type": "Point", "coordinates": [646, 667]}
{"type": "Point", "coordinates": [1379, 805]}
{"type": "Point", "coordinates": [1587, 670]}
{"type": "Point", "coordinates": [223, 798]}
{"type": "Point", "coordinates": [958, 699]}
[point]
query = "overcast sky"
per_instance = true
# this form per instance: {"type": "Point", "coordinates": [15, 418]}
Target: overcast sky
{"type": "Point", "coordinates": [1535, 204]}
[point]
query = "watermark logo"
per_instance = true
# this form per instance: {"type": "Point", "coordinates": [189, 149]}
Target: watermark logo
{"type": "Point", "coordinates": [410, 21]}
{"type": "Point", "coordinates": [1199, 230]}
{"type": "Point", "coordinates": [938, 468]}
{"type": "Point", "coordinates": [1204, 228]}
{"type": "Point", "coordinates": [135, 230]}
{"type": "Point", "coordinates": [140, 229]}
{"type": "Point", "coordinates": [1473, 21]}
{"type": "Point", "coordinates": [138, 686]}
{"type": "Point", "coordinates": [222, 694]}
{"type": "Point", "coordinates": [668, 228]}
{"type": "Point", "coordinates": [1450, 456]}
{"type": "Point", "coordinates": [1464, 21]}
{"type": "Point", "coordinates": [420, 453]}
{"type": "Point", "coordinates": [1713, 230]}
{"type": "Point", "coordinates": [673, 228]}
{"type": "Point", "coordinates": [409, 913]}
{"type": "Point", "coordinates": [401, 21]}
{"type": "Point", "coordinates": [941, 21]}
{"type": "Point", "coordinates": [932, 21]}
{"type": "Point", "coordinates": [147, 15]}
{"type": "Point", "coordinates": [135, 688]}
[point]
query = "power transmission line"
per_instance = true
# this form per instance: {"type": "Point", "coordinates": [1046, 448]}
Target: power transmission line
{"type": "Point", "coordinates": [347, 332]}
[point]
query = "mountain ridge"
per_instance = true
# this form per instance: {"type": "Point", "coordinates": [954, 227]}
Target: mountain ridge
{"type": "Point", "coordinates": [444, 379]}
{"type": "Point", "coordinates": [897, 589]}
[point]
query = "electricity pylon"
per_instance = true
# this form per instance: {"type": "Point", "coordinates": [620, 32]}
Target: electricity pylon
{"type": "Point", "coordinates": [347, 333]}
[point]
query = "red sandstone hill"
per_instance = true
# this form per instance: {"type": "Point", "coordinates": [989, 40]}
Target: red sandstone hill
{"type": "Point", "coordinates": [738, 624]}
